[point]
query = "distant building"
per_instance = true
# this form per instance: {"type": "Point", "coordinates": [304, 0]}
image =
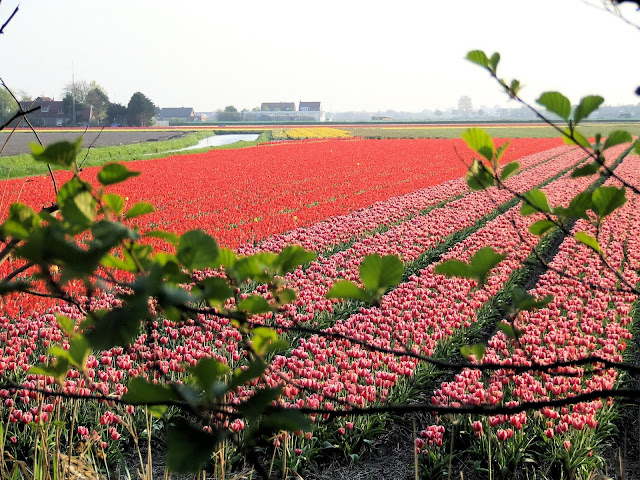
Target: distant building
{"type": "Point", "coordinates": [180, 115]}
{"type": "Point", "coordinates": [51, 113]}
{"type": "Point", "coordinates": [278, 107]}
{"type": "Point", "coordinates": [286, 112]}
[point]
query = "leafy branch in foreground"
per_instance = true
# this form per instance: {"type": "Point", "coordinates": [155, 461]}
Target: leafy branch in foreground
{"type": "Point", "coordinates": [593, 207]}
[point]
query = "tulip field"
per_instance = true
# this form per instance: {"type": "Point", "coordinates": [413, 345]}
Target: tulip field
{"type": "Point", "coordinates": [345, 198]}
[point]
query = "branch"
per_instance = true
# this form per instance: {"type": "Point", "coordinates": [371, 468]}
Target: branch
{"type": "Point", "coordinates": [8, 20]}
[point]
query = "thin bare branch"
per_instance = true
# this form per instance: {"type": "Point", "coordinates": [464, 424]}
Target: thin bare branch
{"type": "Point", "coordinates": [9, 20]}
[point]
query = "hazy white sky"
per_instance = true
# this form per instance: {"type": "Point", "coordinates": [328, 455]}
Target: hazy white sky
{"type": "Point", "coordinates": [349, 54]}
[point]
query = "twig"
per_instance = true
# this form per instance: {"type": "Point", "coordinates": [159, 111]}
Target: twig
{"type": "Point", "coordinates": [8, 20]}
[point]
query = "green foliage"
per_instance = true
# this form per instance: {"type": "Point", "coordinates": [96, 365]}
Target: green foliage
{"type": "Point", "coordinates": [140, 110]}
{"type": "Point", "coordinates": [63, 153]}
{"type": "Point", "coordinates": [478, 268]}
{"type": "Point", "coordinates": [62, 242]}
{"type": "Point", "coordinates": [113, 173]}
{"type": "Point", "coordinates": [556, 103]}
{"type": "Point", "coordinates": [377, 274]}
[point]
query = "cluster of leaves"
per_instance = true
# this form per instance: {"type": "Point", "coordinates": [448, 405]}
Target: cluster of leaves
{"type": "Point", "coordinates": [593, 206]}
{"type": "Point", "coordinates": [84, 238]}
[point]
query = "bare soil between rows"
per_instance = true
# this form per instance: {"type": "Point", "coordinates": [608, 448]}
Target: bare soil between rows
{"type": "Point", "coordinates": [20, 140]}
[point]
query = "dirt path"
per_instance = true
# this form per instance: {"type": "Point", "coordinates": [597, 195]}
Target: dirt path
{"type": "Point", "coordinates": [20, 140]}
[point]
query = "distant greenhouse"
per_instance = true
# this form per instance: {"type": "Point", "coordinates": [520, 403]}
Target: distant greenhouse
{"type": "Point", "coordinates": [286, 112]}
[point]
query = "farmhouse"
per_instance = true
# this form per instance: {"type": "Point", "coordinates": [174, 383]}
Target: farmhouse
{"type": "Point", "coordinates": [51, 113]}
{"type": "Point", "coordinates": [181, 114]}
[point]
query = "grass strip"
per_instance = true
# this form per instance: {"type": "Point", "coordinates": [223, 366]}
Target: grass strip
{"type": "Point", "coordinates": [23, 165]}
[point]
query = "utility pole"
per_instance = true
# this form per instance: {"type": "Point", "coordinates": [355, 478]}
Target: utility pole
{"type": "Point", "coordinates": [73, 97]}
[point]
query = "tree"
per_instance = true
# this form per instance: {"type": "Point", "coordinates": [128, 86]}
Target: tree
{"type": "Point", "coordinates": [8, 105]}
{"type": "Point", "coordinates": [464, 105]}
{"type": "Point", "coordinates": [116, 114]}
{"type": "Point", "coordinates": [229, 114]}
{"type": "Point", "coordinates": [99, 100]}
{"type": "Point", "coordinates": [140, 110]}
{"type": "Point", "coordinates": [72, 108]}
{"type": "Point", "coordinates": [78, 89]}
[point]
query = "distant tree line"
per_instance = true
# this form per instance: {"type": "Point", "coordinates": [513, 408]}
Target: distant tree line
{"type": "Point", "coordinates": [91, 96]}
{"type": "Point", "coordinates": [89, 101]}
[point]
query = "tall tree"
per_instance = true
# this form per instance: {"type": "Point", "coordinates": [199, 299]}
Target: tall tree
{"type": "Point", "coordinates": [140, 110]}
{"type": "Point", "coordinates": [116, 114]}
{"type": "Point", "coordinates": [99, 100]}
{"type": "Point", "coordinates": [229, 114]}
{"type": "Point", "coordinates": [78, 89]}
{"type": "Point", "coordinates": [8, 105]}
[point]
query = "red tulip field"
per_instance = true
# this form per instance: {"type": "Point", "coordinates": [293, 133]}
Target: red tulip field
{"type": "Point", "coordinates": [345, 199]}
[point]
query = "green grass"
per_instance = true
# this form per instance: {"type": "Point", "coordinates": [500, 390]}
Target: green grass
{"type": "Point", "coordinates": [505, 131]}
{"type": "Point", "coordinates": [23, 165]}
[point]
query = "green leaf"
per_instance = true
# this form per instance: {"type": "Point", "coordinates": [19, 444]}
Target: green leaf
{"type": "Point", "coordinates": [168, 237]}
{"type": "Point", "coordinates": [259, 267]}
{"type": "Point", "coordinates": [523, 300]}
{"type": "Point", "coordinates": [117, 327]}
{"type": "Point", "coordinates": [79, 350]}
{"type": "Point", "coordinates": [586, 107]}
{"type": "Point", "coordinates": [535, 202]}
{"type": "Point", "coordinates": [556, 103]}
{"type": "Point", "coordinates": [138, 209]}
{"type": "Point", "coordinates": [514, 88]}
{"type": "Point", "coordinates": [636, 147]}
{"type": "Point", "coordinates": [508, 329]}
{"type": "Point", "coordinates": [541, 227]}
{"type": "Point", "coordinates": [479, 177]}
{"type": "Point", "coordinates": [20, 221]}
{"type": "Point", "coordinates": [207, 372]}
{"type": "Point", "coordinates": [380, 273]}
{"type": "Point", "coordinates": [58, 369]}
{"type": "Point", "coordinates": [481, 263]}
{"type": "Point", "coordinates": [66, 324]}
{"type": "Point", "coordinates": [197, 250]}
{"type": "Point", "coordinates": [575, 138]}
{"type": "Point", "coordinates": [500, 151]}
{"type": "Point", "coordinates": [588, 240]}
{"type": "Point", "coordinates": [127, 263]}
{"type": "Point", "coordinates": [215, 290]}
{"type": "Point", "coordinates": [480, 141]}
{"type": "Point", "coordinates": [607, 199]}
{"type": "Point", "coordinates": [347, 290]}
{"type": "Point", "coordinates": [292, 256]}
{"type": "Point", "coordinates": [261, 338]}
{"type": "Point", "coordinates": [241, 376]}
{"type": "Point", "coordinates": [114, 202]}
{"type": "Point", "coordinates": [287, 295]}
{"type": "Point", "coordinates": [255, 305]}
{"type": "Point", "coordinates": [113, 173]}
{"type": "Point", "coordinates": [477, 350]}
{"type": "Point", "coordinates": [454, 268]}
{"type": "Point", "coordinates": [509, 170]}
{"type": "Point", "coordinates": [140, 392]}
{"type": "Point", "coordinates": [258, 402]}
{"type": "Point", "coordinates": [616, 138]}
{"type": "Point", "coordinates": [190, 448]}
{"type": "Point", "coordinates": [494, 60]}
{"type": "Point", "coordinates": [62, 153]}
{"type": "Point", "coordinates": [586, 170]}
{"type": "Point", "coordinates": [226, 258]}
{"type": "Point", "coordinates": [478, 57]}
{"type": "Point", "coordinates": [578, 207]}
{"type": "Point", "coordinates": [76, 204]}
